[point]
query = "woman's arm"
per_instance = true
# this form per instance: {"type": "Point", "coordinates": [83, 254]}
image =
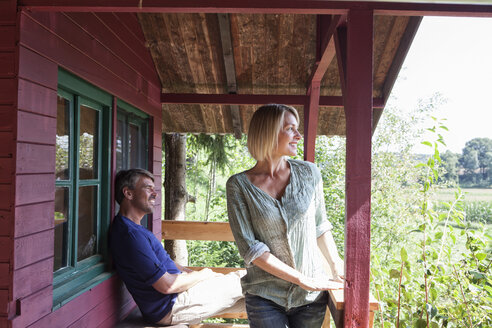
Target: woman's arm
{"type": "Point", "coordinates": [328, 248]}
{"type": "Point", "coordinates": [274, 266]}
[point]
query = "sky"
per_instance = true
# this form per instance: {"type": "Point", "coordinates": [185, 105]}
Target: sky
{"type": "Point", "coordinates": [452, 56]}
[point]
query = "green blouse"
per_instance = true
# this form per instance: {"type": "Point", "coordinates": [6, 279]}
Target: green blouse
{"type": "Point", "coordinates": [287, 228]}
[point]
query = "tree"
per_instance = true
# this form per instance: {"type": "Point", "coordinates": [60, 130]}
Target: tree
{"type": "Point", "coordinates": [175, 192]}
{"type": "Point", "coordinates": [451, 165]}
{"type": "Point", "coordinates": [475, 155]}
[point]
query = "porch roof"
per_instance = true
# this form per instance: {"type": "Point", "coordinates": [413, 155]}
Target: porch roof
{"type": "Point", "coordinates": [203, 57]}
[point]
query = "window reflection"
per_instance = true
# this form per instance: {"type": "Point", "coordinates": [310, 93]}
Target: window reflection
{"type": "Point", "coordinates": [61, 228]}
{"type": "Point", "coordinates": [87, 225]}
{"type": "Point", "coordinates": [88, 141]}
{"type": "Point", "coordinates": [62, 139]}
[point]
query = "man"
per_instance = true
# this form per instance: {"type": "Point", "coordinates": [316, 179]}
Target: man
{"type": "Point", "coordinates": [166, 292]}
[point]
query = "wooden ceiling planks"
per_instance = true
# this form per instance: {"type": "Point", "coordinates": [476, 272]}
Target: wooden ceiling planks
{"type": "Point", "coordinates": [273, 54]}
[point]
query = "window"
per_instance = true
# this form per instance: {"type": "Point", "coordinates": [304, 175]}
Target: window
{"type": "Point", "coordinates": [131, 141]}
{"type": "Point", "coordinates": [82, 187]}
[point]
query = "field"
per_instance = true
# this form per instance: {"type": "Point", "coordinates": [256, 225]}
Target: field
{"type": "Point", "coordinates": [471, 195]}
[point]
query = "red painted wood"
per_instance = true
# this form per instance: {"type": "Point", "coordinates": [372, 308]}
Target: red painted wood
{"type": "Point", "coordinates": [34, 158]}
{"type": "Point", "coordinates": [5, 249]}
{"type": "Point", "coordinates": [33, 248]}
{"type": "Point", "coordinates": [30, 279]}
{"type": "Point", "coordinates": [250, 99]}
{"type": "Point", "coordinates": [6, 170]}
{"type": "Point", "coordinates": [134, 40]}
{"type": "Point", "coordinates": [66, 28]}
{"type": "Point", "coordinates": [7, 64]}
{"type": "Point", "coordinates": [115, 318]}
{"type": "Point", "coordinates": [5, 222]}
{"type": "Point", "coordinates": [157, 153]}
{"type": "Point", "coordinates": [311, 110]}
{"type": "Point", "coordinates": [6, 144]}
{"type": "Point", "coordinates": [72, 311]}
{"type": "Point", "coordinates": [35, 128]}
{"type": "Point", "coordinates": [4, 301]}
{"type": "Point", "coordinates": [34, 218]}
{"type": "Point", "coordinates": [100, 313]}
{"type": "Point", "coordinates": [358, 112]}
{"type": "Point", "coordinates": [6, 118]}
{"type": "Point", "coordinates": [325, 48]}
{"type": "Point", "coordinates": [132, 24]}
{"type": "Point", "coordinates": [341, 51]}
{"type": "Point", "coordinates": [35, 36]}
{"type": "Point", "coordinates": [34, 188]}
{"type": "Point", "coordinates": [111, 35]}
{"type": "Point", "coordinates": [37, 99]}
{"type": "Point", "coordinates": [8, 91]}
{"type": "Point", "coordinates": [4, 275]}
{"type": "Point", "coordinates": [8, 10]}
{"type": "Point", "coordinates": [7, 38]}
{"type": "Point", "coordinates": [259, 6]}
{"type": "Point", "coordinates": [33, 307]}
{"type": "Point", "coordinates": [6, 199]}
{"type": "Point", "coordinates": [34, 67]}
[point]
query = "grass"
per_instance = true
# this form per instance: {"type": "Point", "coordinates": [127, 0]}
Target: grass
{"type": "Point", "coordinates": [471, 194]}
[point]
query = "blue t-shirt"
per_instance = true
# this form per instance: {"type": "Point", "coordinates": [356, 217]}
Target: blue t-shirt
{"type": "Point", "coordinates": [140, 261]}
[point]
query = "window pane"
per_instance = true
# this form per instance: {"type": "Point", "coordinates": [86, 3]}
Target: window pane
{"type": "Point", "coordinates": [61, 227]}
{"type": "Point", "coordinates": [62, 138]}
{"type": "Point", "coordinates": [88, 143]}
{"type": "Point", "coordinates": [87, 225]}
{"type": "Point", "coordinates": [119, 144]}
{"type": "Point", "coordinates": [134, 146]}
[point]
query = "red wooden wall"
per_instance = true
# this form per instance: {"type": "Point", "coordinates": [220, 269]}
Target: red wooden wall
{"type": "Point", "coordinates": [8, 103]}
{"type": "Point", "coordinates": [107, 50]}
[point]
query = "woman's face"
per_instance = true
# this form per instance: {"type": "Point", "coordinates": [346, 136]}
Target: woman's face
{"type": "Point", "coordinates": [288, 137]}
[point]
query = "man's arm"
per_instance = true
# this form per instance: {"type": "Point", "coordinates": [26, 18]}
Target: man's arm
{"type": "Point", "coordinates": [171, 283]}
{"type": "Point", "coordinates": [182, 268]}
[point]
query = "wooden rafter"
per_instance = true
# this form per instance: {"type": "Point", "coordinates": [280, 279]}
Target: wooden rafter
{"type": "Point", "coordinates": [250, 99]}
{"type": "Point", "coordinates": [230, 69]}
{"type": "Point", "coordinates": [262, 7]}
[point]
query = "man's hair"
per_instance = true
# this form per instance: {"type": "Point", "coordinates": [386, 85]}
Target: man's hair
{"type": "Point", "coordinates": [128, 178]}
{"type": "Point", "coordinates": [264, 128]}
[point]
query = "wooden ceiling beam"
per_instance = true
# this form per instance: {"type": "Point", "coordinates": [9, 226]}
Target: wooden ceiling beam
{"type": "Point", "coordinates": [250, 99]}
{"type": "Point", "coordinates": [262, 7]}
{"type": "Point", "coordinates": [230, 70]}
{"type": "Point", "coordinates": [325, 50]}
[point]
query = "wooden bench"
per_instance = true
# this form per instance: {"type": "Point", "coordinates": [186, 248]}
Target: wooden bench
{"type": "Point", "coordinates": [221, 231]}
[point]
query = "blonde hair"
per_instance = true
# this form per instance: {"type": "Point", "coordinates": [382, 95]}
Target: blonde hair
{"type": "Point", "coordinates": [264, 128]}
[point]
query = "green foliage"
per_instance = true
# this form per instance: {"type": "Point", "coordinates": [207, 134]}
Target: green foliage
{"type": "Point", "coordinates": [441, 276]}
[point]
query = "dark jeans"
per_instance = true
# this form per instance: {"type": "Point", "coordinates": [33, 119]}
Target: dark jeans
{"type": "Point", "coordinates": [263, 313]}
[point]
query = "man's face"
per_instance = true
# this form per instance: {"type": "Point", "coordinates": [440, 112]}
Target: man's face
{"type": "Point", "coordinates": [143, 196]}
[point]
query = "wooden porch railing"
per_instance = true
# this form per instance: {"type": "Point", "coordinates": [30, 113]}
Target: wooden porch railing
{"type": "Point", "coordinates": [221, 231]}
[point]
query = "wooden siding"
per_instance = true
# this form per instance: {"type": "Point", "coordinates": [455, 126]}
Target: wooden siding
{"type": "Point", "coordinates": [107, 50]}
{"type": "Point", "coordinates": [8, 101]}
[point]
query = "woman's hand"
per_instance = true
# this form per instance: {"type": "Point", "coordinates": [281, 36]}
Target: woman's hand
{"type": "Point", "coordinates": [318, 284]}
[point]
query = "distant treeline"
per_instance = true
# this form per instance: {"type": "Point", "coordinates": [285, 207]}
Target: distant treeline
{"type": "Point", "coordinates": [471, 168]}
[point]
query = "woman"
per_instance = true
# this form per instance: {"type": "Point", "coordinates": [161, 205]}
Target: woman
{"type": "Point", "coordinates": [277, 214]}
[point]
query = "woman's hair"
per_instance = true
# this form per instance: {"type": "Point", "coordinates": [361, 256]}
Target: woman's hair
{"type": "Point", "coordinates": [128, 178]}
{"type": "Point", "coordinates": [264, 128]}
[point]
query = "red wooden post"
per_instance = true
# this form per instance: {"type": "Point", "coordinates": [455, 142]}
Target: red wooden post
{"type": "Point", "coordinates": [358, 112]}
{"type": "Point", "coordinates": [311, 110]}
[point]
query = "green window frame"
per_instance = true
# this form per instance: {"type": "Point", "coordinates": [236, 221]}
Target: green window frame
{"type": "Point", "coordinates": [77, 271]}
